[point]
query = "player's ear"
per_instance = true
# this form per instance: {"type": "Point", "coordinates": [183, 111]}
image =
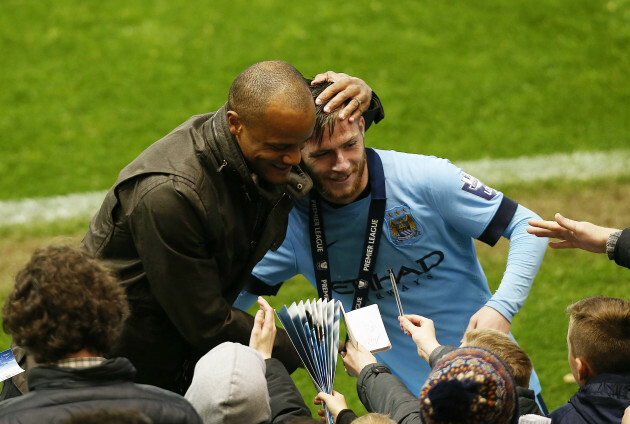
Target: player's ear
{"type": "Point", "coordinates": [584, 371]}
{"type": "Point", "coordinates": [234, 122]}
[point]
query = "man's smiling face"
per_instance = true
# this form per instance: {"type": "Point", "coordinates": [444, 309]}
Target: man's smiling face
{"type": "Point", "coordinates": [271, 145]}
{"type": "Point", "coordinates": [338, 164]}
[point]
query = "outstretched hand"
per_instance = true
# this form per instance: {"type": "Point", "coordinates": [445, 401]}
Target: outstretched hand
{"type": "Point", "coordinates": [422, 331]}
{"type": "Point", "coordinates": [343, 88]}
{"type": "Point", "coordinates": [264, 331]}
{"type": "Point", "coordinates": [573, 234]}
{"type": "Point", "coordinates": [335, 404]}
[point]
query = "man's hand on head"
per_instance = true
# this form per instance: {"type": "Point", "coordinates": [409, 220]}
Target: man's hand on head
{"type": "Point", "coordinates": [343, 88]}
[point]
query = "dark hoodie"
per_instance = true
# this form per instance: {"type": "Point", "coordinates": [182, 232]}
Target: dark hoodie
{"type": "Point", "coordinates": [602, 400]}
{"type": "Point", "coordinates": [56, 394]}
{"type": "Point", "coordinates": [622, 249]}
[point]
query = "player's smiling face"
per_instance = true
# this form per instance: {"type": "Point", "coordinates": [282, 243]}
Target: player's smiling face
{"type": "Point", "coordinates": [338, 164]}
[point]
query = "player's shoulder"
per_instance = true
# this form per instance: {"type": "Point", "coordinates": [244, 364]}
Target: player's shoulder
{"type": "Point", "coordinates": [413, 167]}
{"type": "Point", "coordinates": [413, 160]}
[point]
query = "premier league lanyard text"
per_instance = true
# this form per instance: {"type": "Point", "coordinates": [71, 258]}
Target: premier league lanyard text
{"type": "Point", "coordinates": [319, 249]}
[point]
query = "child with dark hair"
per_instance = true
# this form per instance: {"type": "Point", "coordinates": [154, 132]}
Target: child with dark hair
{"type": "Point", "coordinates": [599, 357]}
{"type": "Point", "coordinates": [67, 310]}
{"type": "Point", "coordinates": [64, 302]}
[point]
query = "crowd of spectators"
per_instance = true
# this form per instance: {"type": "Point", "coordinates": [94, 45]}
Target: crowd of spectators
{"type": "Point", "coordinates": [67, 310]}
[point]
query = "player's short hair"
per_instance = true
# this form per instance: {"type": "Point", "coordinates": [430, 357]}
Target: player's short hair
{"type": "Point", "coordinates": [599, 331]}
{"type": "Point", "coordinates": [374, 418]}
{"type": "Point", "coordinates": [64, 301]}
{"type": "Point", "coordinates": [505, 348]}
{"type": "Point", "coordinates": [253, 89]}
{"type": "Point", "coordinates": [325, 121]}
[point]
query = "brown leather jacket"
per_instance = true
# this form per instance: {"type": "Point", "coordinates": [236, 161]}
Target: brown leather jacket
{"type": "Point", "coordinates": [182, 227]}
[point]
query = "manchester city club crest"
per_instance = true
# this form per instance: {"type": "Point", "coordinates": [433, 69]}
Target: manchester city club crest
{"type": "Point", "coordinates": [402, 225]}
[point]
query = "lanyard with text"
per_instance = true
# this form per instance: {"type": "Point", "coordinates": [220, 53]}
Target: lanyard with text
{"type": "Point", "coordinates": [319, 249]}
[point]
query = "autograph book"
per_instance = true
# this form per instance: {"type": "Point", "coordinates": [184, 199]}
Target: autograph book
{"type": "Point", "coordinates": [365, 326]}
{"type": "Point", "coordinates": [313, 327]}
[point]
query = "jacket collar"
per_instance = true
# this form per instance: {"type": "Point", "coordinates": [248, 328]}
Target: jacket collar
{"type": "Point", "coordinates": [229, 158]}
{"type": "Point", "coordinates": [53, 377]}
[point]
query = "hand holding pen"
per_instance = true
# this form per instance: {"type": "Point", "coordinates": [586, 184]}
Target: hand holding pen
{"type": "Point", "coordinates": [422, 331]}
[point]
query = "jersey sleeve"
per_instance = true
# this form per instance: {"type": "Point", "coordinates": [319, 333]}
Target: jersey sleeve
{"type": "Point", "coordinates": [473, 208]}
{"type": "Point", "coordinates": [524, 259]}
{"type": "Point", "coordinates": [468, 205]}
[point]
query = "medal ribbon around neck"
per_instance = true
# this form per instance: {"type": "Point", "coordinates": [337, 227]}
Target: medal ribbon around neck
{"type": "Point", "coordinates": [319, 248]}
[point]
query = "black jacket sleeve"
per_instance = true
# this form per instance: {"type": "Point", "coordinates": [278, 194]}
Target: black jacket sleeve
{"type": "Point", "coordinates": [622, 249]}
{"type": "Point", "coordinates": [382, 392]}
{"type": "Point", "coordinates": [346, 416]}
{"type": "Point", "coordinates": [375, 113]}
{"type": "Point", "coordinates": [169, 234]}
{"type": "Point", "coordinates": [168, 229]}
{"type": "Point", "coordinates": [284, 397]}
{"type": "Point", "coordinates": [438, 352]}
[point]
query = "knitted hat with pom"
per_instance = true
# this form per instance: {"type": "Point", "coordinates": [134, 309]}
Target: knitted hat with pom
{"type": "Point", "coordinates": [469, 385]}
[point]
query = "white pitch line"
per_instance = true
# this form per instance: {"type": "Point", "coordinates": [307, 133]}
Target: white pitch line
{"type": "Point", "coordinates": [568, 166]}
{"type": "Point", "coordinates": [571, 166]}
{"type": "Point", "coordinates": [49, 209]}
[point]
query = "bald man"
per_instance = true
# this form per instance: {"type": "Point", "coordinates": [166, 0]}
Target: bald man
{"type": "Point", "coordinates": [188, 219]}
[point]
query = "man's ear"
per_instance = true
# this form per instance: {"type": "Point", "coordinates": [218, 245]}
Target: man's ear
{"type": "Point", "coordinates": [584, 370]}
{"type": "Point", "coordinates": [234, 122]}
{"type": "Point", "coordinates": [362, 125]}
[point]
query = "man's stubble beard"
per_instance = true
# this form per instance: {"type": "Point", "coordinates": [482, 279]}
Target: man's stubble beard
{"type": "Point", "coordinates": [330, 196]}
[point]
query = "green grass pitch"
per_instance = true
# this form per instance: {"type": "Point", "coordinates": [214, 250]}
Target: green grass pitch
{"type": "Point", "coordinates": [87, 85]}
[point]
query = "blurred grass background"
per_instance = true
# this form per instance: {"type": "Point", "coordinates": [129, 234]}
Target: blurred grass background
{"type": "Point", "coordinates": [87, 85]}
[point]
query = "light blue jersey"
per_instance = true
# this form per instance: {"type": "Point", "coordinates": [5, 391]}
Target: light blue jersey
{"type": "Point", "coordinates": [434, 210]}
